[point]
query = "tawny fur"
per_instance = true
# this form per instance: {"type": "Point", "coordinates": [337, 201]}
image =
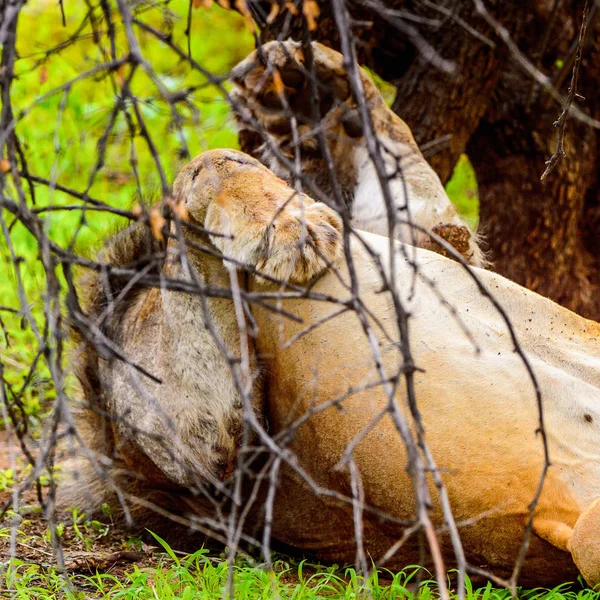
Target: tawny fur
{"type": "Point", "coordinates": [169, 442]}
{"type": "Point", "coordinates": [479, 410]}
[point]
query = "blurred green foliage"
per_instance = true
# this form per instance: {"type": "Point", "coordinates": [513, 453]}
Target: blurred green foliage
{"type": "Point", "coordinates": [462, 189]}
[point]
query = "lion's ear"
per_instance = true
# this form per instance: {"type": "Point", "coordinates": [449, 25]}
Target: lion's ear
{"type": "Point", "coordinates": [294, 242]}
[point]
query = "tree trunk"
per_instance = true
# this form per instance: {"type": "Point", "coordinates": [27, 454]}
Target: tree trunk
{"type": "Point", "coordinates": [534, 228]}
{"type": "Point", "coordinates": [543, 235]}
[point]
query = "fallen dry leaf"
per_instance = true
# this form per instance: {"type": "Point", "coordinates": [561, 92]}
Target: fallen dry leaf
{"type": "Point", "coordinates": [292, 8]}
{"type": "Point", "coordinates": [273, 12]}
{"type": "Point", "coordinates": [179, 209]}
{"type": "Point", "coordinates": [121, 74]}
{"type": "Point", "coordinates": [157, 222]}
{"type": "Point", "coordinates": [43, 75]}
{"type": "Point", "coordinates": [137, 211]}
{"type": "Point", "coordinates": [243, 9]}
{"type": "Point", "coordinates": [311, 12]}
{"type": "Point", "coordinates": [277, 82]}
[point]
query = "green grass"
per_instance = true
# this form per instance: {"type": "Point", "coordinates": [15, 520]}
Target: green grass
{"type": "Point", "coordinates": [196, 577]}
{"type": "Point", "coordinates": [462, 190]}
{"type": "Point", "coordinates": [202, 576]}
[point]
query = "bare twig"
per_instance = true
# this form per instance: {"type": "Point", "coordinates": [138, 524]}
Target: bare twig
{"type": "Point", "coordinates": [562, 119]}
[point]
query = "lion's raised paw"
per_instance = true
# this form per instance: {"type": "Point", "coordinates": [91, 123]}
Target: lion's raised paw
{"type": "Point", "coordinates": [274, 83]}
{"type": "Point", "coordinates": [302, 244]}
{"type": "Point", "coordinates": [256, 219]}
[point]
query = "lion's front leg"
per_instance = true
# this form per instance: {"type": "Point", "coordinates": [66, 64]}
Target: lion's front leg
{"type": "Point", "coordinates": [274, 85]}
{"type": "Point", "coordinates": [186, 428]}
{"type": "Point", "coordinates": [192, 422]}
{"type": "Point", "coordinates": [189, 426]}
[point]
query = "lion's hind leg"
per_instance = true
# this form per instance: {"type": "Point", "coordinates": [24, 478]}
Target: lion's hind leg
{"type": "Point", "coordinates": [585, 543]}
{"type": "Point", "coordinates": [280, 123]}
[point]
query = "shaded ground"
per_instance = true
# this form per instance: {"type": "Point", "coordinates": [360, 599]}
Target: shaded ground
{"type": "Point", "coordinates": [92, 552]}
{"type": "Point", "coordinates": [86, 546]}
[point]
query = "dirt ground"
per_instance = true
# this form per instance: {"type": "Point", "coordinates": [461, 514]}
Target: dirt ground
{"type": "Point", "coordinates": [85, 546]}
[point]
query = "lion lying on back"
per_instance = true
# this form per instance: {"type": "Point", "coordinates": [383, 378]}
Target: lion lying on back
{"type": "Point", "coordinates": [168, 446]}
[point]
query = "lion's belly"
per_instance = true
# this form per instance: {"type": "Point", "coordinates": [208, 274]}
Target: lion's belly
{"type": "Point", "coordinates": [491, 461]}
{"type": "Point", "coordinates": [320, 525]}
{"type": "Point", "coordinates": [479, 411]}
{"type": "Point", "coordinates": [480, 416]}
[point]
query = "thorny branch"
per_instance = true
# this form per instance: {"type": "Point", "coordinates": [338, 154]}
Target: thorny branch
{"type": "Point", "coordinates": [261, 457]}
{"type": "Point", "coordinates": [562, 119]}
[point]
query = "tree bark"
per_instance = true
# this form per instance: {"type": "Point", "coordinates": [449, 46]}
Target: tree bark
{"type": "Point", "coordinates": [534, 228]}
{"type": "Point", "coordinates": [543, 234]}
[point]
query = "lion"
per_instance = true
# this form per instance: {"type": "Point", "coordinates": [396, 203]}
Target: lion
{"type": "Point", "coordinates": [170, 379]}
{"type": "Point", "coordinates": [168, 441]}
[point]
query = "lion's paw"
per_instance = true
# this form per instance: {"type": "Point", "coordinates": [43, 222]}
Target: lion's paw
{"type": "Point", "coordinates": [254, 218]}
{"type": "Point", "coordinates": [302, 244]}
{"type": "Point", "coordinates": [274, 83]}
{"type": "Point", "coordinates": [585, 544]}
{"type": "Point", "coordinates": [295, 244]}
